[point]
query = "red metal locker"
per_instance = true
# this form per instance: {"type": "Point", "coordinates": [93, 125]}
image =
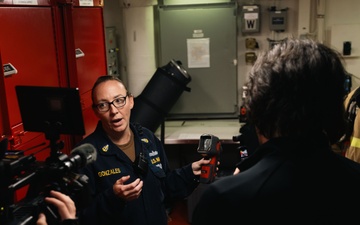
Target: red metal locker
{"type": "Point", "coordinates": [31, 49]}
{"type": "Point", "coordinates": [86, 36]}
{"type": "Point", "coordinates": [27, 43]}
{"type": "Point", "coordinates": [4, 122]}
{"type": "Point", "coordinates": [40, 42]}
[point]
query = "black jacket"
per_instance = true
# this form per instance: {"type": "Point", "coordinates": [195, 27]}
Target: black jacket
{"type": "Point", "coordinates": [111, 164]}
{"type": "Point", "coordinates": [286, 181]}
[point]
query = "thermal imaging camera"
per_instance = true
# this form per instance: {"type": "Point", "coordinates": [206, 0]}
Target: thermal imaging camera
{"type": "Point", "coordinates": [209, 147]}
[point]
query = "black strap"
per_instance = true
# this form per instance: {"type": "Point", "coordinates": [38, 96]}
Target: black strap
{"type": "Point", "coordinates": [141, 131]}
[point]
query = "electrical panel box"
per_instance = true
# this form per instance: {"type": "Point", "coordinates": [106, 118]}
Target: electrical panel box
{"type": "Point", "coordinates": [250, 18]}
{"type": "Point", "coordinates": [112, 51]}
{"type": "Point", "coordinates": [278, 20]}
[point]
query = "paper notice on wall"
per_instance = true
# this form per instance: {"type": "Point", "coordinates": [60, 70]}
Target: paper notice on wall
{"type": "Point", "coordinates": [198, 52]}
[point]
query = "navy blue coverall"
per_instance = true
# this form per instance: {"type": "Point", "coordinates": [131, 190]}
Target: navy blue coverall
{"type": "Point", "coordinates": [112, 163]}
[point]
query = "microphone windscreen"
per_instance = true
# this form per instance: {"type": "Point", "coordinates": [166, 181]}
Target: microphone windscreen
{"type": "Point", "coordinates": [86, 151]}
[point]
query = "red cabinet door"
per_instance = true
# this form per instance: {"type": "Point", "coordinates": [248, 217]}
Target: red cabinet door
{"type": "Point", "coordinates": [41, 43]}
{"type": "Point", "coordinates": [86, 34]}
{"type": "Point", "coordinates": [28, 43]}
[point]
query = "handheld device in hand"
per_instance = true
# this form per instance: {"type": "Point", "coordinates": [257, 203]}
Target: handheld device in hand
{"type": "Point", "coordinates": [209, 147]}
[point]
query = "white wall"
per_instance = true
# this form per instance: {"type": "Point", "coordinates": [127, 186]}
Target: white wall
{"type": "Point", "coordinates": [345, 12]}
{"type": "Point", "coordinates": [138, 56]}
{"type": "Point", "coordinates": [113, 17]}
{"type": "Point", "coordinates": [136, 38]}
{"type": "Point", "coordinates": [139, 28]}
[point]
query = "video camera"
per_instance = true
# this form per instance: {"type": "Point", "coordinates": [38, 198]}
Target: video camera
{"type": "Point", "coordinates": [53, 111]}
{"type": "Point", "coordinates": [41, 177]}
{"type": "Point", "coordinates": [209, 147]}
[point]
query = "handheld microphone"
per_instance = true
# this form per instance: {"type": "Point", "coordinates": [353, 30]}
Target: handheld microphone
{"type": "Point", "coordinates": [79, 157]}
{"type": "Point", "coordinates": [87, 153]}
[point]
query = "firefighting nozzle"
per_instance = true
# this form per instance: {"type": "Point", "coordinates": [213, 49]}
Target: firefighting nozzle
{"type": "Point", "coordinates": [209, 147]}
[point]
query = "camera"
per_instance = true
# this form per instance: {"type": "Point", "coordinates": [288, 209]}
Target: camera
{"type": "Point", "coordinates": [53, 111]}
{"type": "Point", "coordinates": [55, 173]}
{"type": "Point", "coordinates": [210, 148]}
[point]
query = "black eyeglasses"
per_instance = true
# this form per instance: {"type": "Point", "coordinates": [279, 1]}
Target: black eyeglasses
{"type": "Point", "coordinates": [117, 102]}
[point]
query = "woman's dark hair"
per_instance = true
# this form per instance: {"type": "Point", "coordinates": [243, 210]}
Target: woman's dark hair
{"type": "Point", "coordinates": [104, 78]}
{"type": "Point", "coordinates": [297, 88]}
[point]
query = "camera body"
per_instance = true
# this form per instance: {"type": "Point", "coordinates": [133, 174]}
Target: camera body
{"type": "Point", "coordinates": [55, 173]}
{"type": "Point", "coordinates": [210, 148]}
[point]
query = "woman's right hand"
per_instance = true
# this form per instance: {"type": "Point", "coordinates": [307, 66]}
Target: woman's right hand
{"type": "Point", "coordinates": [130, 191]}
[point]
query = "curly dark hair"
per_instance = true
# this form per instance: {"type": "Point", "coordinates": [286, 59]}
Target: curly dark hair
{"type": "Point", "coordinates": [297, 88]}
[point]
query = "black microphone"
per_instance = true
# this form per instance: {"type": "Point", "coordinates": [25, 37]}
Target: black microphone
{"type": "Point", "coordinates": [79, 157]}
{"type": "Point", "coordinates": [87, 153]}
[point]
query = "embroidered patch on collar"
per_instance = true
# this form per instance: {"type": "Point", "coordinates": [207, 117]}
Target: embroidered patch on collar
{"type": "Point", "coordinates": [145, 140]}
{"type": "Point", "coordinates": [105, 148]}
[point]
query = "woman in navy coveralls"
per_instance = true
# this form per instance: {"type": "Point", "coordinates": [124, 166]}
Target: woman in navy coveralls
{"type": "Point", "coordinates": [127, 188]}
